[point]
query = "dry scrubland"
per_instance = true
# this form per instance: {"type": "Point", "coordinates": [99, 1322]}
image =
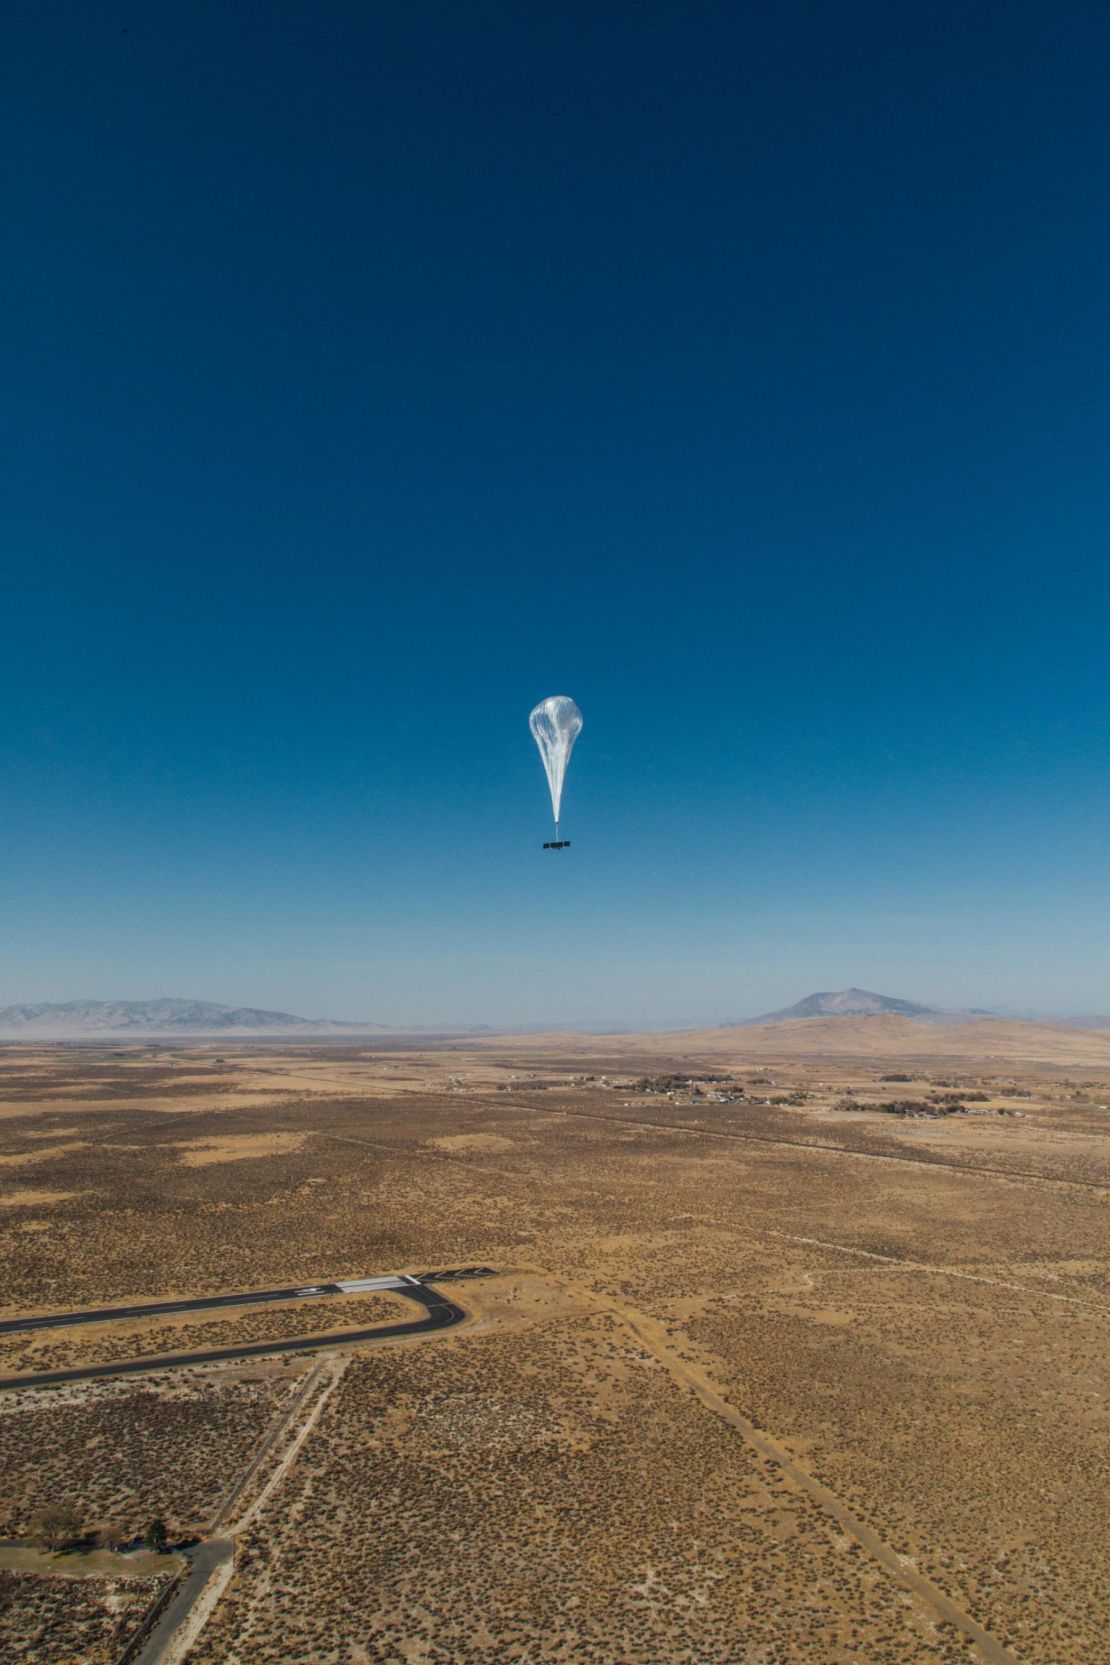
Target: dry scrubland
{"type": "Point", "coordinates": [718, 1324]}
{"type": "Point", "coordinates": [130, 1449]}
{"type": "Point", "coordinates": [579, 1498]}
{"type": "Point", "coordinates": [66, 1619]}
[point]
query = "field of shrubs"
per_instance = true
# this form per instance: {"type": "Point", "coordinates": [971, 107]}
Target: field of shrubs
{"type": "Point", "coordinates": [127, 1450]}
{"type": "Point", "coordinates": [895, 1271]}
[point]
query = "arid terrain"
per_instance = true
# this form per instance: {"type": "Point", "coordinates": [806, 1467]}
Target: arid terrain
{"type": "Point", "coordinates": [794, 1351]}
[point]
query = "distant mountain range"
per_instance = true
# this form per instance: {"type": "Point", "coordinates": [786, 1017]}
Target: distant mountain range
{"type": "Point", "coordinates": [150, 1016]}
{"type": "Point", "coordinates": [176, 1017]}
{"type": "Point", "coordinates": [74, 1018]}
{"type": "Point", "coordinates": [858, 1003]}
{"type": "Point", "coordinates": [864, 1003]}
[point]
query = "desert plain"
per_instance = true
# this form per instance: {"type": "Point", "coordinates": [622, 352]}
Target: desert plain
{"type": "Point", "coordinates": [791, 1349]}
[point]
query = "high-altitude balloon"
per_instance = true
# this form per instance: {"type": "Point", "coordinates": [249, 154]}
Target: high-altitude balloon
{"type": "Point", "coordinates": [556, 724]}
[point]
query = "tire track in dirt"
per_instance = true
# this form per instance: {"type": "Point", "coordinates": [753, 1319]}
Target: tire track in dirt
{"type": "Point", "coordinates": [943, 1271]}
{"type": "Point", "coordinates": [653, 1336]}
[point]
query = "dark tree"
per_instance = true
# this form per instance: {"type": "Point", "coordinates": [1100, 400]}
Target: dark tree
{"type": "Point", "coordinates": [56, 1527]}
{"type": "Point", "coordinates": [112, 1534]}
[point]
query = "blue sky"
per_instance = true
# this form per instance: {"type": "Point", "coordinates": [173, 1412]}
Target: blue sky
{"type": "Point", "coordinates": [374, 371]}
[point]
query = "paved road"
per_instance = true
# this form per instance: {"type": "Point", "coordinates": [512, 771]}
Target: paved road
{"type": "Point", "coordinates": [204, 1561]}
{"type": "Point", "coordinates": [441, 1313]}
{"type": "Point", "coordinates": [201, 1303]}
{"type": "Point", "coordinates": [401, 1282]}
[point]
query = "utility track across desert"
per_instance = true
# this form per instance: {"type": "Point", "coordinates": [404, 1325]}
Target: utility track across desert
{"type": "Point", "coordinates": [945, 1272]}
{"type": "Point", "coordinates": [1015, 1175]}
{"type": "Point", "coordinates": [653, 1336]}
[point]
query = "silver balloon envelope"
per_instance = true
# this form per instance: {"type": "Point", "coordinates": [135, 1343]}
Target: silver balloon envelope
{"type": "Point", "coordinates": [556, 724]}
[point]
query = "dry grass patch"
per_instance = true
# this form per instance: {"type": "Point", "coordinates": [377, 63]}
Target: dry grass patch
{"type": "Point", "coordinates": [47, 1153]}
{"type": "Point", "coordinates": [474, 1141]}
{"type": "Point", "coordinates": [237, 1147]}
{"type": "Point", "coordinates": [35, 1199]}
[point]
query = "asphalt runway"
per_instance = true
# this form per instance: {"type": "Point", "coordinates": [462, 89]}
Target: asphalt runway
{"type": "Point", "coordinates": [400, 1282]}
{"type": "Point", "coordinates": [198, 1303]}
{"type": "Point", "coordinates": [441, 1313]}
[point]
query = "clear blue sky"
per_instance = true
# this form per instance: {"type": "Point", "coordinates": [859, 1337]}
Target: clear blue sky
{"type": "Point", "coordinates": [374, 370]}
